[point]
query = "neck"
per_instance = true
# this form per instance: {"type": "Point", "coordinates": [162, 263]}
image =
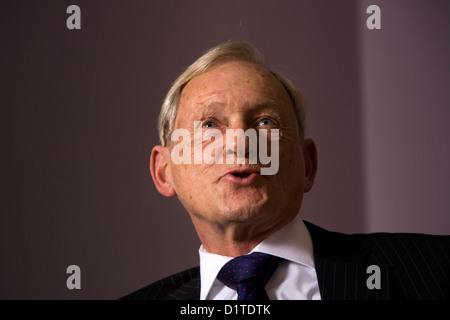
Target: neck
{"type": "Point", "coordinates": [234, 239]}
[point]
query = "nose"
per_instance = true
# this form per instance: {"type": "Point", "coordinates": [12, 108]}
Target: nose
{"type": "Point", "coordinates": [240, 143]}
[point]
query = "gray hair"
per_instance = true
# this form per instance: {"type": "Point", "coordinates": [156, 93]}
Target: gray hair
{"type": "Point", "coordinates": [228, 51]}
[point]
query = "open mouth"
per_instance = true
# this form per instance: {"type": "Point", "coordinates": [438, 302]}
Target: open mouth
{"type": "Point", "coordinates": [241, 174]}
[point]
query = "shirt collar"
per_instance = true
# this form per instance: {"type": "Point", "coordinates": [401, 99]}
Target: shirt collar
{"type": "Point", "coordinates": [292, 242]}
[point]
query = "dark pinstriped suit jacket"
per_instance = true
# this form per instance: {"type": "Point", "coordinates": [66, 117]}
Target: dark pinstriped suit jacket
{"type": "Point", "coordinates": [412, 266]}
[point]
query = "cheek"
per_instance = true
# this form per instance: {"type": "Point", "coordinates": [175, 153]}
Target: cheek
{"type": "Point", "coordinates": [188, 178]}
{"type": "Point", "coordinates": [291, 158]}
{"type": "Point", "coordinates": [180, 175]}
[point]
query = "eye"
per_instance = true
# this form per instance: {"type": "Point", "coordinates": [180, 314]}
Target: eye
{"type": "Point", "coordinates": [266, 122]}
{"type": "Point", "coordinates": [209, 124]}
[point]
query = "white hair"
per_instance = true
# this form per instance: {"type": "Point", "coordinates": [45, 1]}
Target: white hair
{"type": "Point", "coordinates": [228, 51]}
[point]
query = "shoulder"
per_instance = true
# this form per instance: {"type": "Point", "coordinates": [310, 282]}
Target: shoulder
{"type": "Point", "coordinates": [409, 241]}
{"type": "Point", "coordinates": [410, 248]}
{"type": "Point", "coordinates": [415, 252]}
{"type": "Point", "coordinates": [419, 263]}
{"type": "Point", "coordinates": [184, 285]}
{"type": "Point", "coordinates": [392, 246]}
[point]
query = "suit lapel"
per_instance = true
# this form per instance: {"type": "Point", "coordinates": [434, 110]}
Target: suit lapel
{"type": "Point", "coordinates": [341, 263]}
{"type": "Point", "coordinates": [189, 290]}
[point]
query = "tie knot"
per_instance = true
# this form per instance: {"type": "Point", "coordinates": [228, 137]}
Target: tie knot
{"type": "Point", "coordinates": [251, 270]}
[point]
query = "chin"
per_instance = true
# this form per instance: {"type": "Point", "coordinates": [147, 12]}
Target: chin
{"type": "Point", "coordinates": [244, 211]}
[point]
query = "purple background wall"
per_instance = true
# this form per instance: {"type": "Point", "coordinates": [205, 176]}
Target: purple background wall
{"type": "Point", "coordinates": [405, 77]}
{"type": "Point", "coordinates": [78, 118]}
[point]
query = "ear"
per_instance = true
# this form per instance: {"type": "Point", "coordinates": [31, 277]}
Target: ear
{"type": "Point", "coordinates": [310, 158]}
{"type": "Point", "coordinates": [160, 170]}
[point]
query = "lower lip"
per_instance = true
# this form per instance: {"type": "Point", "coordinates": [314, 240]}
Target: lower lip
{"type": "Point", "coordinates": [243, 181]}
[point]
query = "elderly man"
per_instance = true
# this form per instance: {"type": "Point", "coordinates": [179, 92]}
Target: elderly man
{"type": "Point", "coordinates": [254, 247]}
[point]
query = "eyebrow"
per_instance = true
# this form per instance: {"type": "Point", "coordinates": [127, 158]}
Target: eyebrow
{"type": "Point", "coordinates": [263, 104]}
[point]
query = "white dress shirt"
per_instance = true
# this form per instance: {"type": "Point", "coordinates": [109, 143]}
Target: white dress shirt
{"type": "Point", "coordinates": [294, 279]}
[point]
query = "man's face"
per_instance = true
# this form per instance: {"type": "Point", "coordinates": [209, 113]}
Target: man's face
{"type": "Point", "coordinates": [239, 95]}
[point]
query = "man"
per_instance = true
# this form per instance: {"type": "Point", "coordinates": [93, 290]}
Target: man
{"type": "Point", "coordinates": [253, 244]}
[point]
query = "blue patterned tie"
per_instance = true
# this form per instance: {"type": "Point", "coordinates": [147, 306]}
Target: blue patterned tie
{"type": "Point", "coordinates": [249, 274]}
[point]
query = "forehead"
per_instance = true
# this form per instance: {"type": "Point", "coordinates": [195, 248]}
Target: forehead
{"type": "Point", "coordinates": [234, 83]}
